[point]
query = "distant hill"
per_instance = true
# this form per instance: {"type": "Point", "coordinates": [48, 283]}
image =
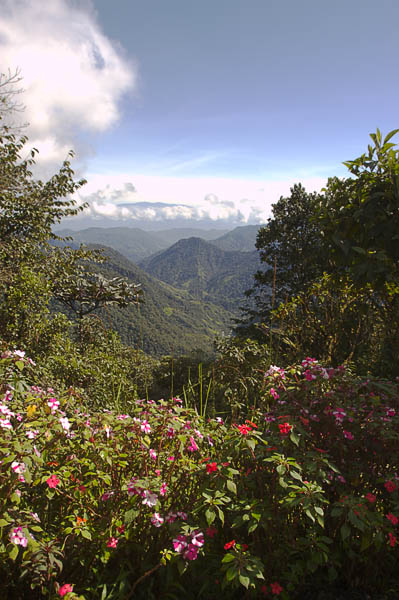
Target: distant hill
{"type": "Point", "coordinates": [135, 244]}
{"type": "Point", "coordinates": [168, 321]}
{"type": "Point", "coordinates": [205, 271]}
{"type": "Point", "coordinates": [240, 239]}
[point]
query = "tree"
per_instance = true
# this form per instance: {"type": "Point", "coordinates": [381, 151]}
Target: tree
{"type": "Point", "coordinates": [290, 247]}
{"type": "Point", "coordinates": [32, 271]}
{"type": "Point", "coordinates": [359, 215]}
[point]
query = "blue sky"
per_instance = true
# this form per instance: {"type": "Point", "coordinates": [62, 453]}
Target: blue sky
{"type": "Point", "coordinates": [219, 105]}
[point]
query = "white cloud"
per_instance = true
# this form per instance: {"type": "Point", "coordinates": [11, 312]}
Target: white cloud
{"type": "Point", "coordinates": [159, 198]}
{"type": "Point", "coordinates": [73, 76]}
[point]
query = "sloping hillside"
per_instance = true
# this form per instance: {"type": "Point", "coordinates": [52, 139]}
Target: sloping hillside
{"type": "Point", "coordinates": [207, 272]}
{"type": "Point", "coordinates": [168, 320]}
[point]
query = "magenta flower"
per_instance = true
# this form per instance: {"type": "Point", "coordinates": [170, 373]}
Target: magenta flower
{"type": "Point", "coordinates": [163, 489]}
{"type": "Point", "coordinates": [193, 446]}
{"type": "Point", "coordinates": [197, 539]}
{"type": "Point", "coordinates": [153, 454]}
{"type": "Point", "coordinates": [157, 520]}
{"type": "Point", "coordinates": [65, 589]}
{"type": "Point", "coordinates": [190, 552]}
{"type": "Point", "coordinates": [112, 542]}
{"type": "Point", "coordinates": [180, 543]}
{"type": "Point", "coordinates": [274, 394]}
{"type": "Point", "coordinates": [348, 435]}
{"type": "Point", "coordinates": [371, 497]}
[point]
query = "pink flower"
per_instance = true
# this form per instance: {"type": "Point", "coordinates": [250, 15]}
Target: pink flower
{"type": "Point", "coordinates": [53, 404]}
{"type": "Point", "coordinates": [197, 539]}
{"type": "Point", "coordinates": [149, 498]}
{"type": "Point", "coordinates": [153, 454]}
{"type": "Point", "coordinates": [275, 394]}
{"type": "Point", "coordinates": [18, 467]}
{"type": "Point", "coordinates": [348, 435]}
{"type": "Point", "coordinates": [170, 432]}
{"type": "Point", "coordinates": [182, 515]}
{"type": "Point", "coordinates": [112, 542]}
{"type": "Point", "coordinates": [309, 376]}
{"type": "Point", "coordinates": [193, 446]}
{"type": "Point", "coordinates": [162, 491]}
{"type": "Point", "coordinates": [390, 412]}
{"type": "Point", "coordinates": [390, 486]}
{"type": "Point", "coordinates": [145, 427]}
{"type": "Point", "coordinates": [180, 543]}
{"type": "Point", "coordinates": [170, 517]}
{"type": "Point", "coordinates": [18, 537]}
{"type": "Point", "coordinates": [157, 520]}
{"type": "Point", "coordinates": [276, 588]}
{"type": "Point", "coordinates": [191, 552]}
{"type": "Point", "coordinates": [65, 589]}
{"type": "Point", "coordinates": [371, 497]}
{"type": "Point", "coordinates": [171, 458]}
{"type": "Point", "coordinates": [52, 481]}
{"type": "Point", "coordinates": [106, 496]}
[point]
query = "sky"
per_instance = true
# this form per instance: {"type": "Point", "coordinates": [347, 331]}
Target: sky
{"type": "Point", "coordinates": [200, 112]}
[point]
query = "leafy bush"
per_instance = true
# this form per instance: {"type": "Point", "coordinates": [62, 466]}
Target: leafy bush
{"type": "Point", "coordinates": [160, 503]}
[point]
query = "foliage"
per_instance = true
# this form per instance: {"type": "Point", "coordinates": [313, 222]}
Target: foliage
{"type": "Point", "coordinates": [290, 247]}
{"type": "Point", "coordinates": [277, 504]}
{"type": "Point", "coordinates": [359, 215]}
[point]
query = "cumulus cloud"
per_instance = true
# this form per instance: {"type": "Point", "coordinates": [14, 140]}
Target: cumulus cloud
{"type": "Point", "coordinates": [73, 75]}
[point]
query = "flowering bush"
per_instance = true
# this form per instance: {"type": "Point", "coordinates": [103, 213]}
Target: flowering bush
{"type": "Point", "coordinates": [161, 501]}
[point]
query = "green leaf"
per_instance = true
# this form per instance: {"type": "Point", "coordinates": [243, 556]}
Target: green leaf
{"type": "Point", "coordinates": [244, 580]}
{"type": "Point", "coordinates": [231, 573]}
{"type": "Point", "coordinates": [210, 516]}
{"type": "Point", "coordinates": [231, 486]}
{"type": "Point", "coordinates": [3, 523]}
{"type": "Point", "coordinates": [86, 534]}
{"type": "Point", "coordinates": [228, 558]}
{"type": "Point", "coordinates": [294, 438]}
{"type": "Point", "coordinates": [13, 552]}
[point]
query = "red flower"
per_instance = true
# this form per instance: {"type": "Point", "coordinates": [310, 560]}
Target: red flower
{"type": "Point", "coordinates": [371, 497]}
{"type": "Point", "coordinates": [211, 467]}
{"type": "Point", "coordinates": [112, 542]}
{"type": "Point", "coordinates": [229, 545]}
{"type": "Point", "coordinates": [245, 547]}
{"type": "Point", "coordinates": [243, 429]}
{"type": "Point", "coordinates": [392, 539]}
{"type": "Point", "coordinates": [67, 587]}
{"type": "Point", "coordinates": [284, 428]}
{"type": "Point", "coordinates": [276, 588]}
{"type": "Point", "coordinates": [252, 424]}
{"type": "Point", "coordinates": [394, 520]}
{"type": "Point", "coordinates": [52, 482]}
{"type": "Point", "coordinates": [390, 486]}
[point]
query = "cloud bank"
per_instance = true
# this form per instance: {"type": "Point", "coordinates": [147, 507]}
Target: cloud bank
{"type": "Point", "coordinates": [170, 201]}
{"type": "Point", "coordinates": [73, 75]}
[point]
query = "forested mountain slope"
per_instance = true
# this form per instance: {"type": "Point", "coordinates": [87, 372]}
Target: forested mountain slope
{"type": "Point", "coordinates": [168, 320]}
{"type": "Point", "coordinates": [204, 270]}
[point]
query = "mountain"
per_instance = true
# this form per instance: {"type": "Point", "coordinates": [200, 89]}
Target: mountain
{"type": "Point", "coordinates": [205, 271]}
{"type": "Point", "coordinates": [241, 239]}
{"type": "Point", "coordinates": [135, 244]}
{"type": "Point", "coordinates": [168, 320]}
